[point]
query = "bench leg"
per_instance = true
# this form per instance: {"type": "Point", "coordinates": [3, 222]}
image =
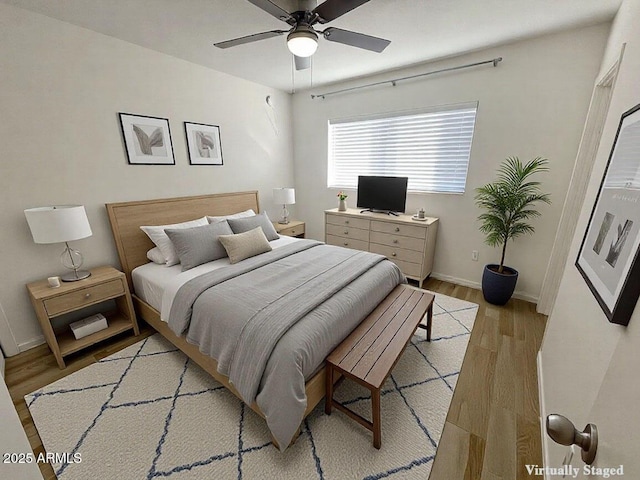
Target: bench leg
{"type": "Point", "coordinates": [429, 321]}
{"type": "Point", "coordinates": [375, 407]}
{"type": "Point", "coordinates": [329, 389]}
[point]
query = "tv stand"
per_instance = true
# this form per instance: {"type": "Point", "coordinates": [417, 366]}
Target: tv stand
{"type": "Point", "coordinates": [387, 212]}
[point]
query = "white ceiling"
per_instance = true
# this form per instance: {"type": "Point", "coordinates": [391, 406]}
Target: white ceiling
{"type": "Point", "coordinates": [419, 30]}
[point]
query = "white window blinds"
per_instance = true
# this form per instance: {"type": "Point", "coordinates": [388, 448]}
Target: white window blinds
{"type": "Point", "coordinates": [432, 148]}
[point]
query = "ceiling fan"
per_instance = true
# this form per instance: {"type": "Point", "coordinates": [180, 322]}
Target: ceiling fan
{"type": "Point", "coordinates": [302, 38]}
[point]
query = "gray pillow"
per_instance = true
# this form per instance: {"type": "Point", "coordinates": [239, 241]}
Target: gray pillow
{"type": "Point", "coordinates": [245, 245]}
{"type": "Point", "coordinates": [199, 245]}
{"type": "Point", "coordinates": [241, 225]}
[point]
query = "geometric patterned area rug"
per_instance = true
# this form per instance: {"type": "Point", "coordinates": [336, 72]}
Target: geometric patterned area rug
{"type": "Point", "coordinates": [148, 412]}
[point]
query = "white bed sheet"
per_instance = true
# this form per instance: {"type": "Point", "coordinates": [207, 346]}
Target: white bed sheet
{"type": "Point", "coordinates": [157, 284]}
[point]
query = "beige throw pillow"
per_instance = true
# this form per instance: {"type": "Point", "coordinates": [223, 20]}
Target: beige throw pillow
{"type": "Point", "coordinates": [245, 245]}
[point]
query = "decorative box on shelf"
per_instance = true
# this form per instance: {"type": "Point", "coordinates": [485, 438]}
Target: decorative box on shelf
{"type": "Point", "coordinates": [88, 325]}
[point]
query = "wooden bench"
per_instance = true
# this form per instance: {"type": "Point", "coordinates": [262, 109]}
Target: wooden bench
{"type": "Point", "coordinates": [370, 352]}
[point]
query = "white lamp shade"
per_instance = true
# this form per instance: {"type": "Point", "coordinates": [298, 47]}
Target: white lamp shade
{"type": "Point", "coordinates": [284, 196]}
{"type": "Point", "coordinates": [58, 224]}
{"type": "Point", "coordinates": [302, 42]}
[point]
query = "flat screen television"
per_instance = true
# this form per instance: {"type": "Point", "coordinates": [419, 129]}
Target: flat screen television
{"type": "Point", "coordinates": [382, 194]}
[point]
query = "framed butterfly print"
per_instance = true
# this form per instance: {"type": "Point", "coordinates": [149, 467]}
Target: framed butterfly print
{"type": "Point", "coordinates": [203, 143]}
{"type": "Point", "coordinates": [147, 140]}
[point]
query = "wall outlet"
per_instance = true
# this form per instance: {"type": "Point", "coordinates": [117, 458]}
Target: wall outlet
{"type": "Point", "coordinates": [474, 255]}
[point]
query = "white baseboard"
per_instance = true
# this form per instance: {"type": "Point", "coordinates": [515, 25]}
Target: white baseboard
{"type": "Point", "coordinates": [543, 412]}
{"type": "Point", "coordinates": [478, 286]}
{"type": "Point", "coordinates": [34, 342]}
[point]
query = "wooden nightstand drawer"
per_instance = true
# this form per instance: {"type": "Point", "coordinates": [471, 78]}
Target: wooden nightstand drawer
{"type": "Point", "coordinates": [81, 298]}
{"type": "Point", "coordinates": [295, 228]}
{"type": "Point", "coordinates": [295, 231]}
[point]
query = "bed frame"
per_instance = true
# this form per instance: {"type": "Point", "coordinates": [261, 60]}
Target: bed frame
{"type": "Point", "coordinates": [133, 244]}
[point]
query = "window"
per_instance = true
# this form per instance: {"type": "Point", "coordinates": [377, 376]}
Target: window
{"type": "Point", "coordinates": [431, 147]}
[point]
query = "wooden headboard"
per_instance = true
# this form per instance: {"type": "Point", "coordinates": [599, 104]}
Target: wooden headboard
{"type": "Point", "coordinates": [127, 217]}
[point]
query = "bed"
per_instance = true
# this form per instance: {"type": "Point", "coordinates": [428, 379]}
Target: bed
{"type": "Point", "coordinates": [294, 368]}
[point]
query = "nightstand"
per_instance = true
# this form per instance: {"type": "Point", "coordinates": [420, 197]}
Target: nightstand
{"type": "Point", "coordinates": [105, 283]}
{"type": "Point", "coordinates": [294, 228]}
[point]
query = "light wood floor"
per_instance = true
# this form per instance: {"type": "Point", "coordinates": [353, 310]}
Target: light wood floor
{"type": "Point", "coordinates": [492, 430]}
{"type": "Point", "coordinates": [493, 426]}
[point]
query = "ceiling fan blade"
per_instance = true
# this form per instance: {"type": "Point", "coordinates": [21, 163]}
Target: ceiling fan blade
{"type": "Point", "coordinates": [273, 9]}
{"type": "Point", "coordinates": [355, 39]}
{"type": "Point", "coordinates": [302, 63]}
{"type": "Point", "coordinates": [249, 38]}
{"type": "Point", "coordinates": [332, 9]}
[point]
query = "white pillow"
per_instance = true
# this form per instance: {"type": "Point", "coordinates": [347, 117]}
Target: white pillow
{"type": "Point", "coordinates": [155, 255]}
{"type": "Point", "coordinates": [162, 241]}
{"type": "Point", "coordinates": [246, 213]}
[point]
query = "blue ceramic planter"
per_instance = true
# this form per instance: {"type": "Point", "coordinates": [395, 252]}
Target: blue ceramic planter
{"type": "Point", "coordinates": [497, 288]}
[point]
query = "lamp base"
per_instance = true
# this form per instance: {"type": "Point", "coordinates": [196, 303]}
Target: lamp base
{"type": "Point", "coordinates": [75, 276]}
{"type": "Point", "coordinates": [283, 222]}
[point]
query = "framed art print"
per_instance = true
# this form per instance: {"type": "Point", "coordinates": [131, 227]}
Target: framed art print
{"type": "Point", "coordinates": [608, 257]}
{"type": "Point", "coordinates": [203, 143]}
{"type": "Point", "coordinates": [147, 140]}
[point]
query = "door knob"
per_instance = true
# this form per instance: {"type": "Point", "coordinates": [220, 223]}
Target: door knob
{"type": "Point", "coordinates": [562, 431]}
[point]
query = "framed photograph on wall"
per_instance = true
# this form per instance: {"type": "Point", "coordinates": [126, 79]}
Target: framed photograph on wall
{"type": "Point", "coordinates": [203, 143]}
{"type": "Point", "coordinates": [608, 257]}
{"type": "Point", "coordinates": [147, 140]}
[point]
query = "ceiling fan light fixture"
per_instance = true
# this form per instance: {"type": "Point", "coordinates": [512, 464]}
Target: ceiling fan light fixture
{"type": "Point", "coordinates": [302, 42]}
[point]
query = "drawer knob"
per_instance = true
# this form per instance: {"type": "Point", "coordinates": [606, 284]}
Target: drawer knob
{"type": "Point", "coordinates": [393, 254]}
{"type": "Point", "coordinates": [346, 232]}
{"type": "Point", "coordinates": [87, 295]}
{"type": "Point", "coordinates": [346, 222]}
{"type": "Point", "coordinates": [397, 229]}
{"type": "Point", "coordinates": [395, 241]}
{"type": "Point", "coordinates": [293, 231]}
{"type": "Point", "coordinates": [346, 243]}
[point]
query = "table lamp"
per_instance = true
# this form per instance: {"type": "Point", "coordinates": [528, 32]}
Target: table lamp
{"type": "Point", "coordinates": [61, 224]}
{"type": "Point", "coordinates": [284, 197]}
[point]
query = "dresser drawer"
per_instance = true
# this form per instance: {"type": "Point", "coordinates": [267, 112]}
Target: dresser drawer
{"type": "Point", "coordinates": [87, 296]}
{"type": "Point", "coordinates": [348, 232]}
{"type": "Point", "coordinates": [348, 243]}
{"type": "Point", "coordinates": [399, 241]}
{"type": "Point", "coordinates": [408, 268]}
{"type": "Point", "coordinates": [396, 253]}
{"type": "Point", "coordinates": [399, 229]}
{"type": "Point", "coordinates": [348, 221]}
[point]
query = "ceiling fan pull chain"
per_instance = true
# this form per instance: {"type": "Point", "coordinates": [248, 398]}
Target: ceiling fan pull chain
{"type": "Point", "coordinates": [293, 77]}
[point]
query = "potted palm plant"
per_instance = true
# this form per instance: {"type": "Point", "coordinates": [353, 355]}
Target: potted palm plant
{"type": "Point", "coordinates": [508, 203]}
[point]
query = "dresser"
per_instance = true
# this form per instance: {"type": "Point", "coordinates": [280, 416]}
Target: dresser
{"type": "Point", "coordinates": [408, 243]}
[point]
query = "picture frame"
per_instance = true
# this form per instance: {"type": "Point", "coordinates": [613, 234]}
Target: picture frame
{"type": "Point", "coordinates": [203, 144]}
{"type": "Point", "coordinates": [608, 257]}
{"type": "Point", "coordinates": [147, 140]}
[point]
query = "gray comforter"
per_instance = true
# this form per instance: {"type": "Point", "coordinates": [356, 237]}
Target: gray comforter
{"type": "Point", "coordinates": [271, 320]}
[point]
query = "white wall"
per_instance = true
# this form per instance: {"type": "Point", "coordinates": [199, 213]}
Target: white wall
{"type": "Point", "coordinates": [61, 89]}
{"type": "Point", "coordinates": [533, 104]}
{"type": "Point", "coordinates": [577, 328]}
